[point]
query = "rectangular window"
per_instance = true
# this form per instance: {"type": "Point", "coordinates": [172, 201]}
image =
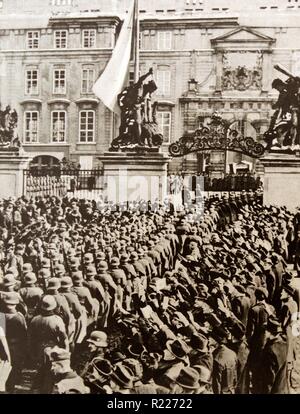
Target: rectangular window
{"type": "Point", "coordinates": [163, 82]}
{"type": "Point", "coordinates": [89, 38]}
{"type": "Point", "coordinates": [33, 39]}
{"type": "Point", "coordinates": [86, 126]}
{"type": "Point", "coordinates": [58, 126]}
{"type": "Point", "coordinates": [60, 39]}
{"type": "Point", "coordinates": [87, 80]}
{"type": "Point", "coordinates": [31, 126]}
{"type": "Point", "coordinates": [164, 124]}
{"type": "Point", "coordinates": [31, 82]}
{"type": "Point", "coordinates": [59, 81]}
{"type": "Point", "coordinates": [61, 2]}
{"type": "Point", "coordinates": [164, 40]}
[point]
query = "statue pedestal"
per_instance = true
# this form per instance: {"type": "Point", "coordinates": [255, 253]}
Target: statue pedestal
{"type": "Point", "coordinates": [134, 176]}
{"type": "Point", "coordinates": [281, 180]}
{"type": "Point", "coordinates": [12, 166]}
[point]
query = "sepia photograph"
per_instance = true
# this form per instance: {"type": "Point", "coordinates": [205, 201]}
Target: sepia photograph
{"type": "Point", "coordinates": [149, 199]}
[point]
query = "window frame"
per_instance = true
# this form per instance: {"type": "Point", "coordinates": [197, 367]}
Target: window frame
{"type": "Point", "coordinates": [55, 39]}
{"type": "Point", "coordinates": [86, 68]}
{"type": "Point", "coordinates": [27, 92]}
{"type": "Point", "coordinates": [162, 43]}
{"type": "Point", "coordinates": [86, 130]}
{"type": "Point", "coordinates": [65, 81]}
{"type": "Point", "coordinates": [25, 130]}
{"type": "Point", "coordinates": [161, 91]}
{"type": "Point", "coordinates": [52, 126]}
{"type": "Point", "coordinates": [83, 38]}
{"type": "Point", "coordinates": [158, 113]}
{"type": "Point", "coordinates": [28, 40]}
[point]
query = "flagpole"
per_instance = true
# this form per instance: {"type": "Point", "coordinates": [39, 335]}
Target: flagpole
{"type": "Point", "coordinates": [136, 34]}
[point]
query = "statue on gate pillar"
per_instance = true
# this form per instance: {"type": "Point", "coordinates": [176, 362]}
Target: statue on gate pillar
{"type": "Point", "coordinates": [8, 129]}
{"type": "Point", "coordinates": [139, 127]}
{"type": "Point", "coordinates": [284, 129]}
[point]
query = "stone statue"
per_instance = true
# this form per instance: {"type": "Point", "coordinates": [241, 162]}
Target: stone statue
{"type": "Point", "coordinates": [138, 129]}
{"type": "Point", "coordinates": [283, 133]}
{"type": "Point", "coordinates": [8, 129]}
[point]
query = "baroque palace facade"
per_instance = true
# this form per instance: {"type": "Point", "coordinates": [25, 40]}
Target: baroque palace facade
{"type": "Point", "coordinates": [207, 56]}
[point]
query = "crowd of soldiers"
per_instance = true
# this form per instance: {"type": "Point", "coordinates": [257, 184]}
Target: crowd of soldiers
{"type": "Point", "coordinates": [105, 299]}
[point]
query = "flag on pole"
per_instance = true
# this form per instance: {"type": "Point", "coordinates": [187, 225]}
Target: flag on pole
{"type": "Point", "coordinates": [111, 82]}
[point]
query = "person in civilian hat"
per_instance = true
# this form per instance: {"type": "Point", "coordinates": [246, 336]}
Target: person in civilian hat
{"type": "Point", "coordinates": [187, 381]}
{"type": "Point", "coordinates": [121, 380]}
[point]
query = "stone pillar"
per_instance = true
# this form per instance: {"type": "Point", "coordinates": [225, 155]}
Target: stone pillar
{"type": "Point", "coordinates": [281, 180]}
{"type": "Point", "coordinates": [12, 166]}
{"type": "Point", "coordinates": [266, 72]}
{"type": "Point", "coordinates": [134, 176]}
{"type": "Point", "coordinates": [219, 72]}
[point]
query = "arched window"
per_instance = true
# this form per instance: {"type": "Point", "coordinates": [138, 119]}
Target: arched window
{"type": "Point", "coordinates": [44, 162]}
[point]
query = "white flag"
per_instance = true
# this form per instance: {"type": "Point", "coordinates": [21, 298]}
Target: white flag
{"type": "Point", "coordinates": [111, 81]}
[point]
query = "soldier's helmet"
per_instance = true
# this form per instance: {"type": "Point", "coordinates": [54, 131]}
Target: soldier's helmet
{"type": "Point", "coordinates": [11, 298]}
{"type": "Point", "coordinates": [66, 282]}
{"type": "Point", "coordinates": [30, 279]}
{"type": "Point", "coordinates": [102, 266]}
{"type": "Point", "coordinates": [98, 338]}
{"type": "Point", "coordinates": [46, 263]}
{"type": "Point", "coordinates": [27, 267]}
{"type": "Point", "coordinates": [77, 277]}
{"type": "Point", "coordinates": [53, 284]}
{"type": "Point", "coordinates": [9, 280]}
{"type": "Point", "coordinates": [44, 273]}
{"type": "Point", "coordinates": [48, 303]}
{"type": "Point", "coordinates": [115, 262]}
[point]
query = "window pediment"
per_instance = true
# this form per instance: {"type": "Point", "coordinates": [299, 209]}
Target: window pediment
{"type": "Point", "coordinates": [243, 36]}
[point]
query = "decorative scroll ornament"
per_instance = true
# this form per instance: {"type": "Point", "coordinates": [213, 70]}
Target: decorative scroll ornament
{"type": "Point", "coordinates": [242, 78]}
{"type": "Point", "coordinates": [215, 134]}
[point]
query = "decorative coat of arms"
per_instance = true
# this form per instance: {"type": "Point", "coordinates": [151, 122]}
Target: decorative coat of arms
{"type": "Point", "coordinates": [242, 77]}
